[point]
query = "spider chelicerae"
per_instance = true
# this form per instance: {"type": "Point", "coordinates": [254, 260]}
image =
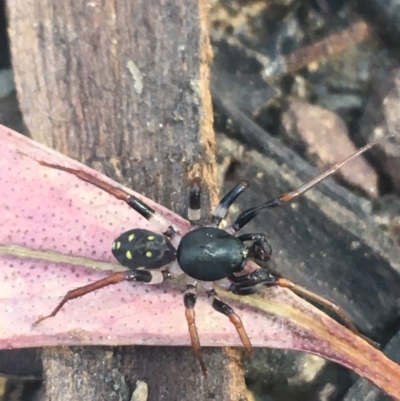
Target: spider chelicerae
{"type": "Point", "coordinates": [205, 254]}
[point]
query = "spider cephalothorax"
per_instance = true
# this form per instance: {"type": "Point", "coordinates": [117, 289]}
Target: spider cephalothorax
{"type": "Point", "coordinates": [206, 254]}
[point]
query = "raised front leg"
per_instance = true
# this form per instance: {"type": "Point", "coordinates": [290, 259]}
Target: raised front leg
{"type": "Point", "coordinates": [286, 197]}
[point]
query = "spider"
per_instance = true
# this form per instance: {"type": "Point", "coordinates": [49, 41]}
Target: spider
{"type": "Point", "coordinates": [205, 254]}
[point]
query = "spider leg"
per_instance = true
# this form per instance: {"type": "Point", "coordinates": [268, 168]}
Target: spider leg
{"type": "Point", "coordinates": [143, 276]}
{"type": "Point", "coordinates": [194, 211]}
{"type": "Point", "coordinates": [251, 283]}
{"type": "Point", "coordinates": [245, 285]}
{"type": "Point", "coordinates": [285, 283]}
{"type": "Point", "coordinates": [286, 197]}
{"type": "Point", "coordinates": [189, 300]}
{"type": "Point", "coordinates": [222, 208]}
{"type": "Point", "coordinates": [260, 249]}
{"type": "Point", "coordinates": [225, 309]}
{"type": "Point", "coordinates": [135, 203]}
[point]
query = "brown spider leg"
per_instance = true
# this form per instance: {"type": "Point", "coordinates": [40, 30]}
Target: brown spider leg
{"type": "Point", "coordinates": [286, 197]}
{"type": "Point", "coordinates": [135, 203]}
{"type": "Point", "coordinates": [189, 300]}
{"type": "Point", "coordinates": [225, 309]}
{"type": "Point", "coordinates": [115, 278]}
{"type": "Point", "coordinates": [250, 283]}
{"type": "Point", "coordinates": [247, 284]}
{"type": "Point", "coordinates": [285, 283]}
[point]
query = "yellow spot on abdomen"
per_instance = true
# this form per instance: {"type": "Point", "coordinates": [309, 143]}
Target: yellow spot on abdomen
{"type": "Point", "coordinates": [128, 255]}
{"type": "Point", "coordinates": [149, 254]}
{"type": "Point", "coordinates": [131, 237]}
{"type": "Point", "coordinates": [150, 237]}
{"type": "Point", "coordinates": [116, 245]}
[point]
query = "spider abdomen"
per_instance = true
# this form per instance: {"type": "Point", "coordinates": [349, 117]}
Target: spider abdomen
{"type": "Point", "coordinates": [143, 248]}
{"type": "Point", "coordinates": [211, 254]}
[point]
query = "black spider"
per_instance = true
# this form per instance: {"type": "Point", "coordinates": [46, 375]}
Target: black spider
{"type": "Point", "coordinates": [206, 254]}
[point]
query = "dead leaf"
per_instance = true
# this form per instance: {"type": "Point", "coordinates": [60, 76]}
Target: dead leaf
{"type": "Point", "coordinates": [56, 233]}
